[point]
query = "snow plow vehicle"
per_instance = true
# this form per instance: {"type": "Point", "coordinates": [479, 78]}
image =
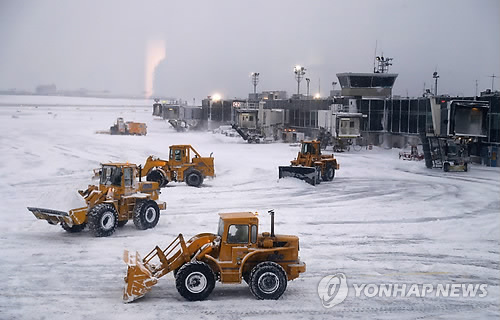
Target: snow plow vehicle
{"type": "Point", "coordinates": [310, 165]}
{"type": "Point", "coordinates": [237, 252]}
{"type": "Point", "coordinates": [250, 136]}
{"type": "Point", "coordinates": [179, 167]}
{"type": "Point", "coordinates": [128, 128]}
{"type": "Point", "coordinates": [118, 198]}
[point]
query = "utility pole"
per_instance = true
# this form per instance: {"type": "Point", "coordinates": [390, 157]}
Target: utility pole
{"type": "Point", "coordinates": [476, 88]}
{"type": "Point", "coordinates": [308, 80]}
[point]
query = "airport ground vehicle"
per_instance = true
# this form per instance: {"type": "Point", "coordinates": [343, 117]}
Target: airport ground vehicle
{"type": "Point", "coordinates": [250, 136]}
{"type": "Point", "coordinates": [184, 164]}
{"type": "Point", "coordinates": [128, 128]}
{"type": "Point", "coordinates": [310, 165]}
{"type": "Point", "coordinates": [413, 155]}
{"type": "Point", "coordinates": [237, 252]}
{"type": "Point", "coordinates": [118, 198]}
{"type": "Point", "coordinates": [446, 153]}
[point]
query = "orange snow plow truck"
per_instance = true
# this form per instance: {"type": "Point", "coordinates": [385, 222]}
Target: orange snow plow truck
{"type": "Point", "coordinates": [266, 262]}
{"type": "Point", "coordinates": [128, 128]}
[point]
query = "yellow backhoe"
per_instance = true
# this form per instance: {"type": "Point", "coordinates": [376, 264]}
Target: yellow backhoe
{"type": "Point", "coordinates": [179, 167]}
{"type": "Point", "coordinates": [118, 198]}
{"type": "Point", "coordinates": [266, 261]}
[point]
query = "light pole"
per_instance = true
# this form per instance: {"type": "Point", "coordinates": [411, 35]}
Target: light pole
{"type": "Point", "coordinates": [209, 112]}
{"type": "Point", "coordinates": [334, 83]}
{"type": "Point", "coordinates": [435, 76]}
{"type": "Point", "coordinates": [299, 74]}
{"type": "Point", "coordinates": [308, 80]}
{"type": "Point", "coordinates": [255, 81]}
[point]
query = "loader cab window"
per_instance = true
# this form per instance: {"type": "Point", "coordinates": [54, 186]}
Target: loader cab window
{"type": "Point", "coordinates": [176, 155]}
{"type": "Point", "coordinates": [253, 235]}
{"type": "Point", "coordinates": [127, 172]}
{"type": "Point", "coordinates": [111, 175]}
{"type": "Point", "coordinates": [237, 233]}
{"type": "Point", "coordinates": [308, 148]}
{"type": "Point", "coordinates": [220, 230]}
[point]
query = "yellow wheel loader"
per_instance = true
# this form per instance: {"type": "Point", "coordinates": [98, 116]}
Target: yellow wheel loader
{"type": "Point", "coordinates": [310, 165]}
{"type": "Point", "coordinates": [179, 167]}
{"type": "Point", "coordinates": [118, 198]}
{"type": "Point", "coordinates": [266, 261]}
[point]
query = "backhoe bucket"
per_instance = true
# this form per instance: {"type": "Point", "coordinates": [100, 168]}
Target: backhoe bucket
{"type": "Point", "coordinates": [139, 279]}
{"type": "Point", "coordinates": [308, 174]}
{"type": "Point", "coordinates": [52, 216]}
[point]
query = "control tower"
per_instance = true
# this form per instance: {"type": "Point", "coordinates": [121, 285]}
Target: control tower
{"type": "Point", "coordinates": [376, 84]}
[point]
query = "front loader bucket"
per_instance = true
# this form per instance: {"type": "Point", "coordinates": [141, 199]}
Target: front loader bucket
{"type": "Point", "coordinates": [308, 174]}
{"type": "Point", "coordinates": [52, 216]}
{"type": "Point", "coordinates": [139, 279]}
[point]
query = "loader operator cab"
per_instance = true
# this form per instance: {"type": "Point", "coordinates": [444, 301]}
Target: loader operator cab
{"type": "Point", "coordinates": [310, 148]}
{"type": "Point", "coordinates": [236, 230]}
{"type": "Point", "coordinates": [179, 155]}
{"type": "Point", "coordinates": [111, 175]}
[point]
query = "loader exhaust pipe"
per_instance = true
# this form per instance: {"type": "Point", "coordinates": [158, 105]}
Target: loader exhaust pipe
{"type": "Point", "coordinates": [271, 212]}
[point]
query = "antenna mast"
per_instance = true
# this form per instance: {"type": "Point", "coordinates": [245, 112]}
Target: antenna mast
{"type": "Point", "coordinates": [493, 76]}
{"type": "Point", "coordinates": [383, 64]}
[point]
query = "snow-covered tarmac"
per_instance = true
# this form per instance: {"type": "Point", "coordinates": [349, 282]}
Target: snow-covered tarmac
{"type": "Point", "coordinates": [381, 220]}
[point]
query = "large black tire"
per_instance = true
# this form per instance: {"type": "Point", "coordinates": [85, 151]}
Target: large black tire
{"type": "Point", "coordinates": [74, 228]}
{"type": "Point", "coordinates": [246, 277]}
{"type": "Point", "coordinates": [146, 214]}
{"type": "Point", "coordinates": [195, 281]}
{"type": "Point", "coordinates": [157, 176]}
{"type": "Point", "coordinates": [102, 220]}
{"type": "Point", "coordinates": [446, 167]}
{"type": "Point", "coordinates": [318, 175]}
{"type": "Point", "coordinates": [194, 178]}
{"type": "Point", "coordinates": [329, 173]}
{"type": "Point", "coordinates": [268, 281]}
{"type": "Point", "coordinates": [122, 223]}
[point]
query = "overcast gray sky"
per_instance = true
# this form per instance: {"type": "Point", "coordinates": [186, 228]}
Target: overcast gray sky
{"type": "Point", "coordinates": [212, 46]}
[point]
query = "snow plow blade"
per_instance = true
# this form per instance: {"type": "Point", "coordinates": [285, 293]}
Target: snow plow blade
{"type": "Point", "coordinates": [52, 216]}
{"type": "Point", "coordinates": [139, 279]}
{"type": "Point", "coordinates": [308, 174]}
